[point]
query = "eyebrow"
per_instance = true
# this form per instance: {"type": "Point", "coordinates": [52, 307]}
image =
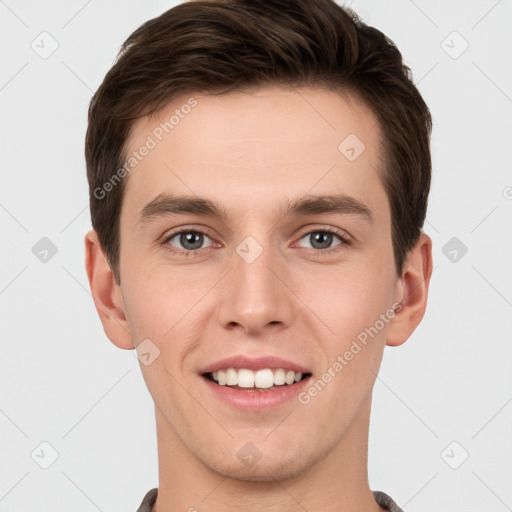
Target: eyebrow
{"type": "Point", "coordinates": [166, 204]}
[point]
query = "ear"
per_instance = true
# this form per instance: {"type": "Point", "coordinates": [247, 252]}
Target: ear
{"type": "Point", "coordinates": [413, 288]}
{"type": "Point", "coordinates": [106, 294]}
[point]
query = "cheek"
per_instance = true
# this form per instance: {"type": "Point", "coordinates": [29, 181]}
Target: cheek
{"type": "Point", "coordinates": [349, 304]}
{"type": "Point", "coordinates": [353, 347]}
{"type": "Point", "coordinates": [161, 309]}
{"type": "Point", "coordinates": [148, 312]}
{"type": "Point", "coordinates": [346, 300]}
{"type": "Point", "coordinates": [165, 307]}
{"type": "Point", "coordinates": [157, 295]}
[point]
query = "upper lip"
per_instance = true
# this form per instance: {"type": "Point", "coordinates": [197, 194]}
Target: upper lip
{"type": "Point", "coordinates": [254, 363]}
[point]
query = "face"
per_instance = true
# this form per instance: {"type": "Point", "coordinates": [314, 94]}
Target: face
{"type": "Point", "coordinates": [267, 273]}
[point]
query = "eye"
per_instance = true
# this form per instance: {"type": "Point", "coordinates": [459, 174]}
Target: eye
{"type": "Point", "coordinates": [190, 240]}
{"type": "Point", "coordinates": [322, 239]}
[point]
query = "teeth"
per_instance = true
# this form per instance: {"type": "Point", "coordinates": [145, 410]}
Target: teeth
{"type": "Point", "coordinates": [264, 379]}
{"type": "Point", "coordinates": [245, 378]}
{"type": "Point", "coordinates": [279, 377]}
{"type": "Point", "coordinates": [261, 379]}
{"type": "Point", "coordinates": [231, 377]}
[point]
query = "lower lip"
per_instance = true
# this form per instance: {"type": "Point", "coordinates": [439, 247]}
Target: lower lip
{"type": "Point", "coordinates": [257, 400]}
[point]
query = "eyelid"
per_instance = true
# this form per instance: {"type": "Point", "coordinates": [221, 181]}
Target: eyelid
{"type": "Point", "coordinates": [328, 229]}
{"type": "Point", "coordinates": [187, 229]}
{"type": "Point", "coordinates": [168, 236]}
{"type": "Point", "coordinates": [345, 241]}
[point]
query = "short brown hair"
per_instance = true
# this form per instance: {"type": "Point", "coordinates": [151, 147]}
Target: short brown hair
{"type": "Point", "coordinates": [222, 46]}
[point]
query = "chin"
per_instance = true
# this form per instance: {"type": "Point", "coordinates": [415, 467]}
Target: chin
{"type": "Point", "coordinates": [260, 472]}
{"type": "Point", "coordinates": [262, 467]}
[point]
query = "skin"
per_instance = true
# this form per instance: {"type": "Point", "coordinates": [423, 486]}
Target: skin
{"type": "Point", "coordinates": [252, 152]}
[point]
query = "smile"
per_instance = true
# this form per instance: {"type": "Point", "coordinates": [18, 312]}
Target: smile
{"type": "Point", "coordinates": [265, 379]}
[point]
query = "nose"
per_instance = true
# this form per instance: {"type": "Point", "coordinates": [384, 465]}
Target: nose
{"type": "Point", "coordinates": [256, 295]}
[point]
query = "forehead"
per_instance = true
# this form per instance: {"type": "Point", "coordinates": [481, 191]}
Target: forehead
{"type": "Point", "coordinates": [264, 145]}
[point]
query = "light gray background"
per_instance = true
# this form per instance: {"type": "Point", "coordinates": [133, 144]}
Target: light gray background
{"type": "Point", "coordinates": [64, 383]}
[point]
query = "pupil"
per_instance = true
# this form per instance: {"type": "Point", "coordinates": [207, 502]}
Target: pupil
{"type": "Point", "coordinates": [187, 238]}
{"type": "Point", "coordinates": [323, 238]}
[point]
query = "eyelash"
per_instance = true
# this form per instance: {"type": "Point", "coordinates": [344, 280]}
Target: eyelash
{"type": "Point", "coordinates": [316, 252]}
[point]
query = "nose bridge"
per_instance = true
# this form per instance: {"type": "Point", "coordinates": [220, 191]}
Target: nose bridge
{"type": "Point", "coordinates": [254, 297]}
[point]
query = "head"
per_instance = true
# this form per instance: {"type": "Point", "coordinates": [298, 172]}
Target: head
{"type": "Point", "coordinates": [248, 110]}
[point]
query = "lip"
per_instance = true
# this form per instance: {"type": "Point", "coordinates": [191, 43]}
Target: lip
{"type": "Point", "coordinates": [254, 400]}
{"type": "Point", "coordinates": [254, 363]}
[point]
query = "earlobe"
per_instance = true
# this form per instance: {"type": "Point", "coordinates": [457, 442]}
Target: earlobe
{"type": "Point", "coordinates": [106, 294]}
{"type": "Point", "coordinates": [415, 282]}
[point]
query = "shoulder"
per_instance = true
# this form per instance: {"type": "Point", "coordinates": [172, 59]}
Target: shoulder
{"type": "Point", "coordinates": [148, 501]}
{"type": "Point", "coordinates": [386, 501]}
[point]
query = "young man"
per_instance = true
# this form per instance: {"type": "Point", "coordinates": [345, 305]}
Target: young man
{"type": "Point", "coordinates": [259, 173]}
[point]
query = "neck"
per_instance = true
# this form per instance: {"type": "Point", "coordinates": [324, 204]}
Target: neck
{"type": "Point", "coordinates": [338, 481]}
